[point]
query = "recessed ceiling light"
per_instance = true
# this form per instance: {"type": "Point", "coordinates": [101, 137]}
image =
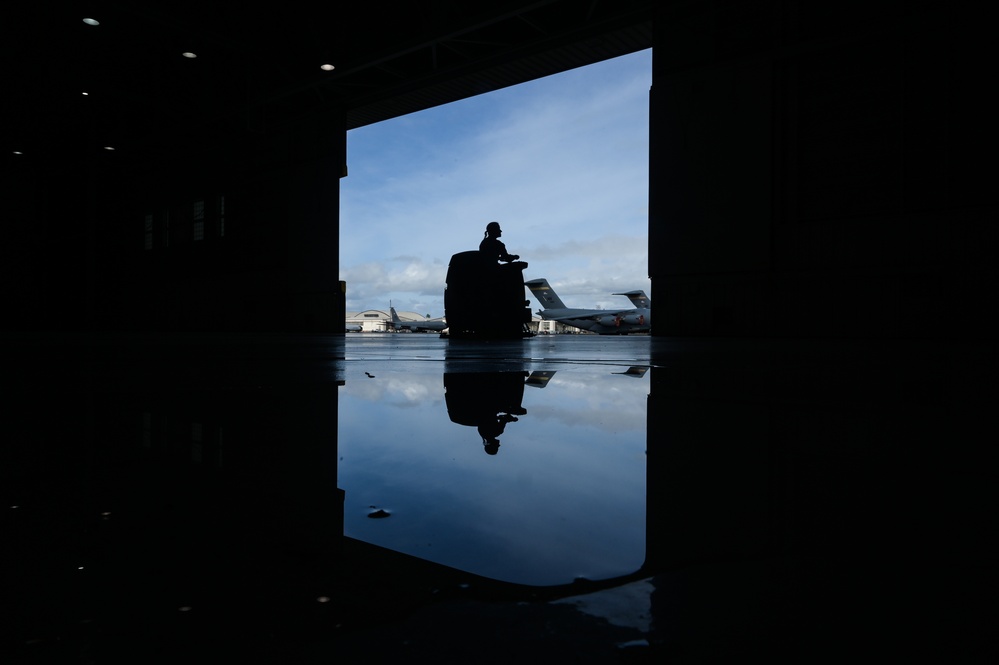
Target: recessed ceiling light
{"type": "Point", "coordinates": [107, 147]}
{"type": "Point", "coordinates": [84, 93]}
{"type": "Point", "coordinates": [188, 54]}
{"type": "Point", "coordinates": [327, 67]}
{"type": "Point", "coordinates": [91, 21]}
{"type": "Point", "coordinates": [17, 152]}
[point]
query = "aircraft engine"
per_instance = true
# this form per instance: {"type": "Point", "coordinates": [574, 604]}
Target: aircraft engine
{"type": "Point", "coordinates": [616, 321]}
{"type": "Point", "coordinates": [635, 320]}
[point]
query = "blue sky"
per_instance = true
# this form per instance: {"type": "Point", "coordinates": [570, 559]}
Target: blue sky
{"type": "Point", "coordinates": [561, 163]}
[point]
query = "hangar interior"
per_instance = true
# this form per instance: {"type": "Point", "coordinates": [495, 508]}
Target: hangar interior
{"type": "Point", "coordinates": [815, 167]}
{"type": "Point", "coordinates": [821, 251]}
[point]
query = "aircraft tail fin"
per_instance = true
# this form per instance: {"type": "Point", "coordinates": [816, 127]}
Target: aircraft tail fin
{"type": "Point", "coordinates": [635, 370]}
{"type": "Point", "coordinates": [545, 294]}
{"type": "Point", "coordinates": [637, 298]}
{"type": "Point", "coordinates": [394, 314]}
{"type": "Point", "coordinates": [539, 378]}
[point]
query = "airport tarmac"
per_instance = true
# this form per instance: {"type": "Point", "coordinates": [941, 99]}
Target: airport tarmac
{"type": "Point", "coordinates": [570, 498]}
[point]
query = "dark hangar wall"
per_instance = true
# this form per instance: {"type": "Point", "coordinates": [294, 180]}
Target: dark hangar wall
{"type": "Point", "coordinates": [234, 230]}
{"type": "Point", "coordinates": [268, 261]}
{"type": "Point", "coordinates": [820, 171]}
{"type": "Point", "coordinates": [817, 170]}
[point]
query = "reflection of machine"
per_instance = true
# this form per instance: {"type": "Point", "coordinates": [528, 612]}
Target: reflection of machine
{"type": "Point", "coordinates": [484, 299]}
{"type": "Point", "coordinates": [486, 401]}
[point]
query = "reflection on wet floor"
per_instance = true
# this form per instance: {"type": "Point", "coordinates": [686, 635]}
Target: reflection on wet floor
{"type": "Point", "coordinates": [249, 497]}
{"type": "Point", "coordinates": [542, 487]}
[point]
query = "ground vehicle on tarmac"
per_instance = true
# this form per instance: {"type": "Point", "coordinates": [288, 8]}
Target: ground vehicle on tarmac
{"type": "Point", "coordinates": [484, 299]}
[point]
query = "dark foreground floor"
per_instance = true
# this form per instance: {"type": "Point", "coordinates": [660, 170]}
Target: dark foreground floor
{"type": "Point", "coordinates": [822, 502]}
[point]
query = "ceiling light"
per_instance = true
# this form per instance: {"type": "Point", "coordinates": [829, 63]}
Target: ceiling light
{"type": "Point", "coordinates": [91, 21]}
{"type": "Point", "coordinates": [327, 67]}
{"type": "Point", "coordinates": [188, 54]}
{"type": "Point", "coordinates": [107, 147]}
{"type": "Point", "coordinates": [84, 93]}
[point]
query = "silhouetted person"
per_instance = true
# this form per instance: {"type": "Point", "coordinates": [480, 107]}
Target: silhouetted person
{"type": "Point", "coordinates": [492, 248]}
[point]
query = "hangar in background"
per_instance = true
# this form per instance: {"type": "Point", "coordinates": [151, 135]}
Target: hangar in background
{"type": "Point", "coordinates": [376, 320]}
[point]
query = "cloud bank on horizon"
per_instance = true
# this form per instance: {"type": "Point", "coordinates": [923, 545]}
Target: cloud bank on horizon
{"type": "Point", "coordinates": [561, 163]}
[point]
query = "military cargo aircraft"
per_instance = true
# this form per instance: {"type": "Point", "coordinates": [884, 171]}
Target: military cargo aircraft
{"type": "Point", "coordinates": [600, 321]}
{"type": "Point", "coordinates": [420, 325]}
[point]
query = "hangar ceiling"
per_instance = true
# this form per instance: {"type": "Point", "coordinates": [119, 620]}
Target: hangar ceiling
{"type": "Point", "coordinates": [125, 83]}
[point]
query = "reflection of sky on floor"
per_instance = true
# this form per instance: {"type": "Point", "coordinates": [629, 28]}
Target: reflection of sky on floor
{"type": "Point", "coordinates": [564, 497]}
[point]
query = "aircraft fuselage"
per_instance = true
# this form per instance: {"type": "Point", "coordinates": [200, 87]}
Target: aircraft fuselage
{"type": "Point", "coordinates": [602, 322]}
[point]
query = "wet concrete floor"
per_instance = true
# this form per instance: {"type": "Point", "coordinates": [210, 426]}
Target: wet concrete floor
{"type": "Point", "coordinates": [387, 497]}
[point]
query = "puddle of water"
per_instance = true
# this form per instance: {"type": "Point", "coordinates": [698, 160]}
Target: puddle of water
{"type": "Point", "coordinates": [562, 495]}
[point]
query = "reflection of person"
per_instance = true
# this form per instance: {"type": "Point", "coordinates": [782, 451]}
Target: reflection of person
{"type": "Point", "coordinates": [491, 429]}
{"type": "Point", "coordinates": [486, 401]}
{"type": "Point", "coordinates": [491, 246]}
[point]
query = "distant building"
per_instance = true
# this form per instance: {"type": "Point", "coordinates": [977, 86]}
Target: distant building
{"type": "Point", "coordinates": [376, 320]}
{"type": "Point", "coordinates": [541, 327]}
